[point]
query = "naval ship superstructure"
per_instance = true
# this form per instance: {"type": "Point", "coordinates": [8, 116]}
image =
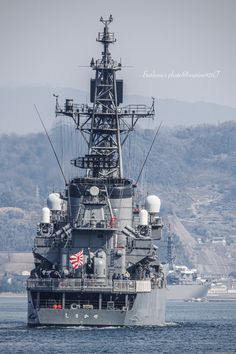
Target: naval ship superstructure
{"type": "Point", "coordinates": [95, 260]}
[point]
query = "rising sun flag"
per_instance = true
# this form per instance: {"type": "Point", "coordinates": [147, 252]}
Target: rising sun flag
{"type": "Point", "coordinates": [77, 259]}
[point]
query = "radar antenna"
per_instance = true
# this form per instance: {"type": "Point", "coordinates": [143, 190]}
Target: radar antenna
{"type": "Point", "coordinates": [105, 125]}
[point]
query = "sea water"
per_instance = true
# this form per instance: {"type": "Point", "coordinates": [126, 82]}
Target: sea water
{"type": "Point", "coordinates": [191, 327]}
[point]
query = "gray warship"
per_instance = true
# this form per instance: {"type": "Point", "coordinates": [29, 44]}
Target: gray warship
{"type": "Point", "coordinates": [95, 259]}
{"type": "Point", "coordinates": [183, 283]}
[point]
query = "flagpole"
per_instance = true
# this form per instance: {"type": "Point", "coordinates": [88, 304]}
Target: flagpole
{"type": "Point", "coordinates": [83, 266]}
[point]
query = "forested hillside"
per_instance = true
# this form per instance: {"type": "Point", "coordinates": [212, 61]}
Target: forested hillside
{"type": "Point", "coordinates": [192, 170]}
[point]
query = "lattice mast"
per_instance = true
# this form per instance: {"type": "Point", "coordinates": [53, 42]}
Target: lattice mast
{"type": "Point", "coordinates": [105, 131]}
{"type": "Point", "coordinates": [105, 126]}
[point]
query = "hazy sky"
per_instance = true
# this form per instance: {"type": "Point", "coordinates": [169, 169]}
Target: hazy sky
{"type": "Point", "coordinates": [43, 43]}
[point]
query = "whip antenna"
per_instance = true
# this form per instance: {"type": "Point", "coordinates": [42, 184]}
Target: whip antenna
{"type": "Point", "coordinates": [50, 142]}
{"type": "Point", "coordinates": [144, 163]}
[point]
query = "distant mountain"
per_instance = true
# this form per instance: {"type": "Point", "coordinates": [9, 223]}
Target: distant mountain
{"type": "Point", "coordinates": [18, 114]}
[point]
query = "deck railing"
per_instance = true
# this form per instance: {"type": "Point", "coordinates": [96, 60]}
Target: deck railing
{"type": "Point", "coordinates": [90, 285]}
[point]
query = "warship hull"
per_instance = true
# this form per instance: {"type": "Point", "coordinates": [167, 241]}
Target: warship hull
{"type": "Point", "coordinates": [181, 292]}
{"type": "Point", "coordinates": [147, 310]}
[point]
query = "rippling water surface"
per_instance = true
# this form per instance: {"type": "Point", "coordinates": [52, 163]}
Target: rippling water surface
{"type": "Point", "coordinates": [190, 328]}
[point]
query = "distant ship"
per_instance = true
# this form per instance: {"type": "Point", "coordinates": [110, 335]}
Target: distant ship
{"type": "Point", "coordinates": [223, 289]}
{"type": "Point", "coordinates": [95, 260]}
{"type": "Point", "coordinates": [183, 283]}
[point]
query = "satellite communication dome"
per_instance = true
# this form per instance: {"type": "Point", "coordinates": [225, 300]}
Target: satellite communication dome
{"type": "Point", "coordinates": [54, 202]}
{"type": "Point", "coordinates": [153, 204]}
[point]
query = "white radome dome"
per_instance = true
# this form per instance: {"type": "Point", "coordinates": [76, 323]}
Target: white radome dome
{"type": "Point", "coordinates": [45, 216]}
{"type": "Point", "coordinates": [54, 201]}
{"type": "Point", "coordinates": [153, 204]}
{"type": "Point", "coordinates": [143, 217]}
